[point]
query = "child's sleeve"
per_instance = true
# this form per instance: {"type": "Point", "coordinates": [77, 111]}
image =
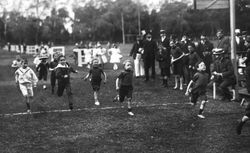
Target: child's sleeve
{"type": "Point", "coordinates": [34, 77]}
{"type": "Point", "coordinates": [121, 75]}
{"type": "Point", "coordinates": [195, 77]}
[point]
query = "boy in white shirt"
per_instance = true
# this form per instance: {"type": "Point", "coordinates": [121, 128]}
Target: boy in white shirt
{"type": "Point", "coordinates": [26, 78]}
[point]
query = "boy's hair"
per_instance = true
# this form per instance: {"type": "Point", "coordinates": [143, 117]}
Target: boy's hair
{"type": "Point", "coordinates": [198, 63]}
{"type": "Point", "coordinates": [25, 60]}
{"type": "Point", "coordinates": [60, 56]}
{"type": "Point", "coordinates": [126, 61]}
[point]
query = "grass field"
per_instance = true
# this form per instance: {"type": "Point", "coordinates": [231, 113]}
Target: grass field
{"type": "Point", "coordinates": [163, 121]}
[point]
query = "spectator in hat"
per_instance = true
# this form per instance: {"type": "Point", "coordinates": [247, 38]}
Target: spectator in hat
{"type": "Point", "coordinates": [136, 53]}
{"type": "Point", "coordinates": [164, 58]}
{"type": "Point", "coordinates": [223, 74]}
{"type": "Point", "coordinates": [222, 42]}
{"type": "Point", "coordinates": [150, 49]}
{"type": "Point", "coordinates": [240, 47]}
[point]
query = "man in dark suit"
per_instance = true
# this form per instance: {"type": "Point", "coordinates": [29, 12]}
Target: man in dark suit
{"type": "Point", "coordinates": [163, 57]}
{"type": "Point", "coordinates": [222, 42]}
{"type": "Point", "coordinates": [150, 49]}
{"type": "Point", "coordinates": [204, 50]}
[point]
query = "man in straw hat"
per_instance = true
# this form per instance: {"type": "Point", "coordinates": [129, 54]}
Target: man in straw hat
{"type": "Point", "coordinates": [223, 73]}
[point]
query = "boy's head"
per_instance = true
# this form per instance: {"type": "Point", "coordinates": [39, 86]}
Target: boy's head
{"type": "Point", "coordinates": [18, 58]}
{"type": "Point", "coordinates": [62, 60]}
{"type": "Point", "coordinates": [127, 65]}
{"type": "Point", "coordinates": [201, 66]}
{"type": "Point", "coordinates": [95, 62]}
{"type": "Point", "coordinates": [24, 63]}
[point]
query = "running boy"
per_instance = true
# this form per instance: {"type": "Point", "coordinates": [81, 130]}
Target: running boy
{"type": "Point", "coordinates": [124, 85]}
{"type": "Point", "coordinates": [26, 78]}
{"type": "Point", "coordinates": [197, 88]}
{"type": "Point", "coordinates": [96, 77]}
{"type": "Point", "coordinates": [42, 69]}
{"type": "Point", "coordinates": [63, 71]}
{"type": "Point", "coordinates": [52, 67]}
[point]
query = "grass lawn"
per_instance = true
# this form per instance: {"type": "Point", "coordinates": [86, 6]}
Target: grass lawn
{"type": "Point", "coordinates": [163, 120]}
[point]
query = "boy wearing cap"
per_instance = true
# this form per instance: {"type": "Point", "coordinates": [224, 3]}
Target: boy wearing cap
{"type": "Point", "coordinates": [26, 78]}
{"type": "Point", "coordinates": [63, 71]}
{"type": "Point", "coordinates": [124, 85]}
{"type": "Point", "coordinates": [150, 49]}
{"type": "Point", "coordinates": [164, 58]}
{"type": "Point", "coordinates": [197, 87]}
{"type": "Point", "coordinates": [96, 77]}
{"type": "Point", "coordinates": [223, 73]}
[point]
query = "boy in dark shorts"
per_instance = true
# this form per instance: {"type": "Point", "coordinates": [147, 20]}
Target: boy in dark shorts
{"type": "Point", "coordinates": [124, 85]}
{"type": "Point", "coordinates": [244, 119]}
{"type": "Point", "coordinates": [63, 70]}
{"type": "Point", "coordinates": [197, 88]}
{"type": "Point", "coordinates": [96, 77]}
{"type": "Point", "coordinates": [42, 69]}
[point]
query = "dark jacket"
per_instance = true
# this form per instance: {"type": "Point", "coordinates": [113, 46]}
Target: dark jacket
{"type": "Point", "coordinates": [150, 49]}
{"type": "Point", "coordinates": [163, 55]}
{"type": "Point", "coordinates": [135, 49]}
{"type": "Point", "coordinates": [224, 43]}
{"type": "Point", "coordinates": [62, 70]}
{"type": "Point", "coordinates": [224, 66]}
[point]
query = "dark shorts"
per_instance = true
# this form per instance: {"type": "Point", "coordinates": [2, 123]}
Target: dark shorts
{"type": "Point", "coordinates": [96, 85]}
{"type": "Point", "coordinates": [125, 91]}
{"type": "Point", "coordinates": [247, 111]}
{"type": "Point", "coordinates": [196, 95]}
{"type": "Point", "coordinates": [42, 76]}
{"type": "Point", "coordinates": [178, 68]}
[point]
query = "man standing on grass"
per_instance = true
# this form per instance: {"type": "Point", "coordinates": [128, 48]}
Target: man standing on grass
{"type": "Point", "coordinates": [25, 79]}
{"type": "Point", "coordinates": [150, 49]}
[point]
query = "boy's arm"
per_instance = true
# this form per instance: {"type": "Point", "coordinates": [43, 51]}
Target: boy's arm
{"type": "Point", "coordinates": [105, 77]}
{"type": "Point", "coordinates": [188, 87]}
{"type": "Point", "coordinates": [117, 84]}
{"type": "Point", "coordinates": [87, 76]}
{"type": "Point", "coordinates": [16, 76]}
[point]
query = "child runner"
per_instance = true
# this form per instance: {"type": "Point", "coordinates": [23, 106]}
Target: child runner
{"type": "Point", "coordinates": [244, 119]}
{"type": "Point", "coordinates": [197, 88]}
{"type": "Point", "coordinates": [124, 85]}
{"type": "Point", "coordinates": [26, 78]}
{"type": "Point", "coordinates": [42, 69]}
{"type": "Point", "coordinates": [115, 56]}
{"type": "Point", "coordinates": [177, 62]}
{"type": "Point", "coordinates": [96, 77]}
{"type": "Point", "coordinates": [52, 67]}
{"type": "Point", "coordinates": [63, 71]}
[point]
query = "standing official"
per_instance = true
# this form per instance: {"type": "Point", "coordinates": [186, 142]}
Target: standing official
{"type": "Point", "coordinates": [148, 56]}
{"type": "Point", "coordinates": [164, 58]}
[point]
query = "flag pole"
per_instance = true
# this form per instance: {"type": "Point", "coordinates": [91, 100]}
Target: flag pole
{"type": "Point", "coordinates": [233, 45]}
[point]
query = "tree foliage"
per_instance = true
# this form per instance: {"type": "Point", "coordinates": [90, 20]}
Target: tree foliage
{"type": "Point", "coordinates": [100, 20]}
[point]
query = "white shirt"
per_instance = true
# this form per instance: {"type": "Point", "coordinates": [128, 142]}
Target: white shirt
{"type": "Point", "coordinates": [26, 75]}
